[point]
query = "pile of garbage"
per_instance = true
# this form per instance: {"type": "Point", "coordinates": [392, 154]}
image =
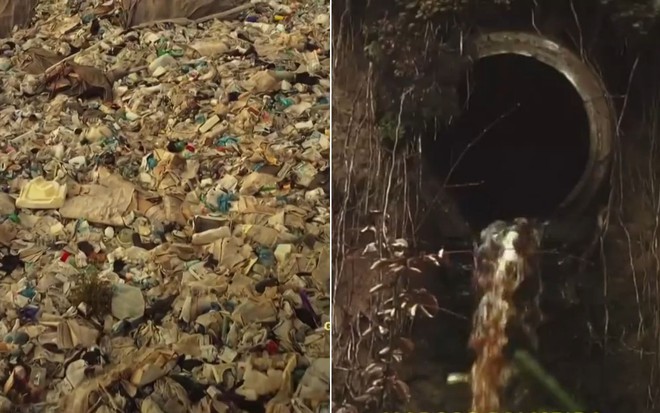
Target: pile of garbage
{"type": "Point", "coordinates": [164, 210]}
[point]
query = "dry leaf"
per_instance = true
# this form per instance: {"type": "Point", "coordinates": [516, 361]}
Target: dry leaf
{"type": "Point", "coordinates": [402, 390]}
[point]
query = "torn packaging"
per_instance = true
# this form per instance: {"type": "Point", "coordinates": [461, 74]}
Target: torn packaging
{"type": "Point", "coordinates": [104, 203]}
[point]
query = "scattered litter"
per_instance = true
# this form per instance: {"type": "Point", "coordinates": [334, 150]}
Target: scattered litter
{"type": "Point", "coordinates": [164, 207]}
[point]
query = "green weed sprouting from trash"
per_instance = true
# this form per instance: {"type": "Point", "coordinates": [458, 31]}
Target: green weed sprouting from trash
{"type": "Point", "coordinates": [94, 292]}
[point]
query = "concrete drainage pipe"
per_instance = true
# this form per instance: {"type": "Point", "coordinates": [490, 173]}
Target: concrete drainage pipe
{"type": "Point", "coordinates": [535, 136]}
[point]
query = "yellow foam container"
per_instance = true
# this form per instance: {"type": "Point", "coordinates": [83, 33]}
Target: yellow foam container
{"type": "Point", "coordinates": [41, 194]}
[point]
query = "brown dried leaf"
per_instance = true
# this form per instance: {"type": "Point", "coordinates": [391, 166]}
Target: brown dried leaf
{"type": "Point", "coordinates": [432, 259]}
{"type": "Point", "coordinates": [387, 313]}
{"type": "Point", "coordinates": [374, 370]}
{"type": "Point", "coordinates": [364, 398]}
{"type": "Point", "coordinates": [374, 390]}
{"type": "Point", "coordinates": [379, 263]}
{"type": "Point", "coordinates": [425, 299]}
{"type": "Point", "coordinates": [379, 382]}
{"type": "Point", "coordinates": [376, 288]}
{"type": "Point", "coordinates": [413, 310]}
{"type": "Point", "coordinates": [398, 268]}
{"type": "Point", "coordinates": [406, 344]}
{"type": "Point", "coordinates": [399, 243]}
{"type": "Point", "coordinates": [371, 247]}
{"type": "Point", "coordinates": [402, 390]}
{"type": "Point", "coordinates": [426, 312]}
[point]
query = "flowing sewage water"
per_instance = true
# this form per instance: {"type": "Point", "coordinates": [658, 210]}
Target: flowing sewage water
{"type": "Point", "coordinates": [507, 278]}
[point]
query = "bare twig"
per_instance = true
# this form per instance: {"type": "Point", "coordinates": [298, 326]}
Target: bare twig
{"type": "Point", "coordinates": [577, 24]}
{"type": "Point", "coordinates": [477, 140]}
{"type": "Point", "coordinates": [391, 171]}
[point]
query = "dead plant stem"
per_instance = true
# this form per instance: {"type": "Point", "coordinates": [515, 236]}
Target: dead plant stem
{"type": "Point", "coordinates": [393, 163]}
{"type": "Point", "coordinates": [476, 140]}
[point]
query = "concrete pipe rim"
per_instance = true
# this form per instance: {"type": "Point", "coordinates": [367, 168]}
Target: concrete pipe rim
{"type": "Point", "coordinates": [595, 98]}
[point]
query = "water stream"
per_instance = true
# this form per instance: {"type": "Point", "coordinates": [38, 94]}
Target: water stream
{"type": "Point", "coordinates": [507, 280]}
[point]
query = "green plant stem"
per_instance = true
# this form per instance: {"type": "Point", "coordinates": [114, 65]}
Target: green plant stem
{"type": "Point", "coordinates": [525, 362]}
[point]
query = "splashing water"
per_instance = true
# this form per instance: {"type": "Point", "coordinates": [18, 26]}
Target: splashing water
{"type": "Point", "coordinates": [507, 279]}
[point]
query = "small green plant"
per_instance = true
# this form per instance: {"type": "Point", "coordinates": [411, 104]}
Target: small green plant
{"type": "Point", "coordinates": [94, 292]}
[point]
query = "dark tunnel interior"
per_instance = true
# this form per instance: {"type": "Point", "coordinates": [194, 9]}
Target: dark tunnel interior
{"type": "Point", "coordinates": [520, 145]}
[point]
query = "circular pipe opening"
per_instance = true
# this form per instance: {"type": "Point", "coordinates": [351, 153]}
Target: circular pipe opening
{"type": "Point", "coordinates": [524, 137]}
{"type": "Point", "coordinates": [535, 135]}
